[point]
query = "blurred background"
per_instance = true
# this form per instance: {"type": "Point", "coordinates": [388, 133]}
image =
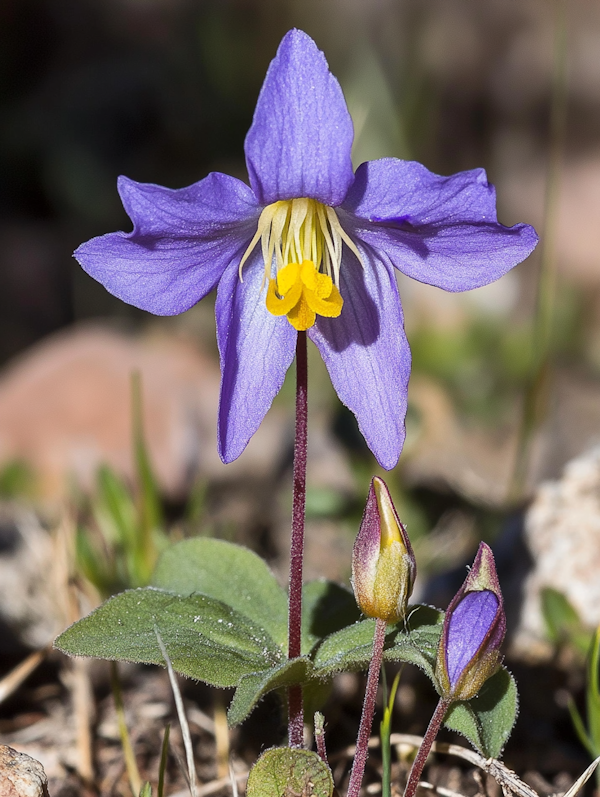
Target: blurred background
{"type": "Point", "coordinates": [505, 389]}
{"type": "Point", "coordinates": [163, 91]}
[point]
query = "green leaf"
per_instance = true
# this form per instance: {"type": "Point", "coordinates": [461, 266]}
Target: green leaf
{"type": "Point", "coordinates": [562, 621]}
{"type": "Point", "coordinates": [114, 509]}
{"type": "Point", "coordinates": [284, 772]}
{"type": "Point", "coordinates": [487, 720]}
{"type": "Point", "coordinates": [348, 649]}
{"type": "Point", "coordinates": [579, 726]}
{"type": "Point", "coordinates": [162, 767]}
{"type": "Point", "coordinates": [205, 638]}
{"type": "Point", "coordinates": [326, 608]}
{"type": "Point", "coordinates": [413, 640]}
{"type": "Point", "coordinates": [417, 639]}
{"type": "Point", "coordinates": [254, 686]}
{"type": "Point", "coordinates": [229, 573]}
{"type": "Point", "coordinates": [93, 562]}
{"type": "Point", "coordinates": [385, 730]}
{"type": "Point", "coordinates": [593, 693]}
{"type": "Point", "coordinates": [17, 480]}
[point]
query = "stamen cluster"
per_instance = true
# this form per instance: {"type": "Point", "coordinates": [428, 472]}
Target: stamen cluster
{"type": "Point", "coordinates": [295, 230]}
{"type": "Point", "coordinates": [303, 238]}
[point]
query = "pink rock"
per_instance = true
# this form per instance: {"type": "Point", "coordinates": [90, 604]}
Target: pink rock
{"type": "Point", "coordinates": [65, 408]}
{"type": "Point", "coordinates": [20, 775]}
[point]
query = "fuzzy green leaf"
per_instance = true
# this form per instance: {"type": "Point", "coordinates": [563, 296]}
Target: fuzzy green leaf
{"type": "Point", "coordinates": [413, 640]}
{"type": "Point", "coordinates": [326, 608]}
{"type": "Point", "coordinates": [254, 686]}
{"type": "Point", "coordinates": [229, 573]}
{"type": "Point", "coordinates": [417, 640]}
{"type": "Point", "coordinates": [205, 638]}
{"type": "Point", "coordinates": [488, 719]}
{"type": "Point", "coordinates": [284, 772]}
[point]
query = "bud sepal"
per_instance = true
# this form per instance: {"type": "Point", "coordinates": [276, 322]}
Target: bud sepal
{"type": "Point", "coordinates": [383, 562]}
{"type": "Point", "coordinates": [473, 631]}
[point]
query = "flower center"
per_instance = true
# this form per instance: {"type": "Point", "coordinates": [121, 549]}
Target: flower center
{"type": "Point", "coordinates": [300, 292]}
{"type": "Point", "coordinates": [301, 239]}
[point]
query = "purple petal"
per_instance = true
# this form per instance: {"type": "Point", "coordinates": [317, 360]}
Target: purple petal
{"type": "Point", "coordinates": [256, 350]}
{"type": "Point", "coordinates": [367, 545]}
{"type": "Point", "coordinates": [469, 624]}
{"type": "Point", "coordinates": [181, 243]}
{"type": "Point", "coordinates": [367, 354]}
{"type": "Point", "coordinates": [301, 136]}
{"type": "Point", "coordinates": [438, 230]}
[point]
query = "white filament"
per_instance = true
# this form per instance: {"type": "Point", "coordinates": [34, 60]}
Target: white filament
{"type": "Point", "coordinates": [295, 230]}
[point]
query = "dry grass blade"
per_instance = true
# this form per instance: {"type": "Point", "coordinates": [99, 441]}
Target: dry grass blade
{"type": "Point", "coordinates": [13, 680]}
{"type": "Point", "coordinates": [221, 739]}
{"type": "Point", "coordinates": [507, 779]}
{"type": "Point", "coordinates": [185, 728]}
{"type": "Point", "coordinates": [215, 785]}
{"type": "Point", "coordinates": [83, 709]}
{"type": "Point", "coordinates": [582, 779]}
{"type": "Point", "coordinates": [202, 720]}
{"type": "Point", "coordinates": [133, 773]}
{"type": "Point", "coordinates": [443, 792]}
{"type": "Point", "coordinates": [233, 782]}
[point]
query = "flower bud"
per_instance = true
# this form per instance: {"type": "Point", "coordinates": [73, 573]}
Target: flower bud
{"type": "Point", "coordinates": [383, 563]}
{"type": "Point", "coordinates": [473, 630]}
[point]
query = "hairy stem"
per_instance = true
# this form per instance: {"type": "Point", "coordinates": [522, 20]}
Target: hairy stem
{"type": "Point", "coordinates": [295, 701]}
{"type": "Point", "coordinates": [320, 736]}
{"type": "Point", "coordinates": [366, 720]}
{"type": "Point", "coordinates": [425, 748]}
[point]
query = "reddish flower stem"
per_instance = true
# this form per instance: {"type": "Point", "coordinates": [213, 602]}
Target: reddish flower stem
{"type": "Point", "coordinates": [366, 720]}
{"type": "Point", "coordinates": [295, 701]}
{"type": "Point", "coordinates": [432, 731]}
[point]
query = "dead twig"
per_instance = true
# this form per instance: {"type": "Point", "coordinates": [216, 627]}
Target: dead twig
{"type": "Point", "coordinates": [215, 785]}
{"type": "Point", "coordinates": [13, 680]}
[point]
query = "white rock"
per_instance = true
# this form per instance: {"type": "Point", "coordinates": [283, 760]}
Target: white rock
{"type": "Point", "coordinates": [562, 532]}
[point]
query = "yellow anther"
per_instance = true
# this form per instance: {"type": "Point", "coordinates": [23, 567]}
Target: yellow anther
{"type": "Point", "coordinates": [302, 239]}
{"type": "Point", "coordinates": [300, 292]}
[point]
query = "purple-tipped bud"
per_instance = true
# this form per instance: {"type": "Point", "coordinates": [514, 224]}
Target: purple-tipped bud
{"type": "Point", "coordinates": [383, 563]}
{"type": "Point", "coordinates": [474, 627]}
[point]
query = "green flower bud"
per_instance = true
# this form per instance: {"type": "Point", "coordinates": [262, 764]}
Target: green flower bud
{"type": "Point", "coordinates": [383, 563]}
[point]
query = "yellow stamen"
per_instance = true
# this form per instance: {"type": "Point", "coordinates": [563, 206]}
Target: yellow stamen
{"type": "Point", "coordinates": [302, 240]}
{"type": "Point", "coordinates": [300, 292]}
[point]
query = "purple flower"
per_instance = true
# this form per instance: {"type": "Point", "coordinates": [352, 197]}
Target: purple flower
{"type": "Point", "coordinates": [309, 245]}
{"type": "Point", "coordinates": [383, 563]}
{"type": "Point", "coordinates": [473, 630]}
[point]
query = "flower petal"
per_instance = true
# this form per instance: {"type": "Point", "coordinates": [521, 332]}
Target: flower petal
{"type": "Point", "coordinates": [256, 350]}
{"type": "Point", "coordinates": [469, 625]}
{"type": "Point", "coordinates": [301, 136]}
{"type": "Point", "coordinates": [439, 230]}
{"type": "Point", "coordinates": [367, 354]}
{"type": "Point", "coordinates": [182, 241]}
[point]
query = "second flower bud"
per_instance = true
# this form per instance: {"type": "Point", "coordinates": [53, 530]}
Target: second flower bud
{"type": "Point", "coordinates": [383, 562]}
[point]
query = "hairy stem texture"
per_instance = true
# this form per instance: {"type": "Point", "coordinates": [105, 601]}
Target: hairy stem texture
{"type": "Point", "coordinates": [366, 720]}
{"type": "Point", "coordinates": [432, 731]}
{"type": "Point", "coordinates": [295, 702]}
